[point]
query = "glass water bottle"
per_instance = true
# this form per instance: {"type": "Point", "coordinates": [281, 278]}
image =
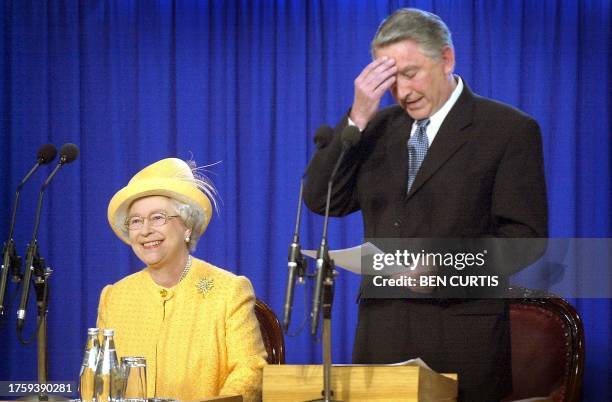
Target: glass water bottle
{"type": "Point", "coordinates": [109, 379]}
{"type": "Point", "coordinates": [88, 368]}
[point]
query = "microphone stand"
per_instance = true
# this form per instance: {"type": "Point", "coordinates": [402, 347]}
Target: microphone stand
{"type": "Point", "coordinates": [328, 299]}
{"type": "Point", "coordinates": [324, 296]}
{"type": "Point", "coordinates": [296, 264]}
{"type": "Point", "coordinates": [41, 274]}
{"type": "Point", "coordinates": [41, 288]}
{"type": "Point", "coordinates": [324, 286]}
{"type": "Point", "coordinates": [295, 261]}
{"type": "Point", "coordinates": [11, 262]}
{"type": "Point", "coordinates": [35, 265]}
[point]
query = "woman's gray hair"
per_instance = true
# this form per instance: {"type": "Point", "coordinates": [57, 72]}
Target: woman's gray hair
{"type": "Point", "coordinates": [422, 27]}
{"type": "Point", "coordinates": [193, 218]}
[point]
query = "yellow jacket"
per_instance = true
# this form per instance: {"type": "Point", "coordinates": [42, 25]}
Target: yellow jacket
{"type": "Point", "coordinates": [200, 338]}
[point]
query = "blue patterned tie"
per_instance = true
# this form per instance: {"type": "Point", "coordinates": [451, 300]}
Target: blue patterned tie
{"type": "Point", "coordinates": [417, 149]}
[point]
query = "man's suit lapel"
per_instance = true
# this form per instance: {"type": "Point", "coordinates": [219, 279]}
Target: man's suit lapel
{"type": "Point", "coordinates": [448, 140]}
{"type": "Point", "coordinates": [397, 151]}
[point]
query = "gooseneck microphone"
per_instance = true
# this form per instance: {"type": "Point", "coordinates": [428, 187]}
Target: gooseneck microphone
{"type": "Point", "coordinates": [323, 136]}
{"type": "Point", "coordinates": [10, 260]}
{"type": "Point", "coordinates": [295, 261]}
{"type": "Point", "coordinates": [68, 153]}
{"type": "Point", "coordinates": [350, 137]}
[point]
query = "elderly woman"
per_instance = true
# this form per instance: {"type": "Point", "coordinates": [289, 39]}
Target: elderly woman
{"type": "Point", "coordinates": [193, 322]}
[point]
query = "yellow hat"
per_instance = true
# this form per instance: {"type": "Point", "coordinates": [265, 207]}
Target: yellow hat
{"type": "Point", "coordinates": [169, 177]}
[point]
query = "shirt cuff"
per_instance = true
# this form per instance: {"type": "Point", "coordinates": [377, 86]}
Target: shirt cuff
{"type": "Point", "coordinates": [352, 123]}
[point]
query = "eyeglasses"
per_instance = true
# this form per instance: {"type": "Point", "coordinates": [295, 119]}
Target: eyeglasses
{"type": "Point", "coordinates": [155, 219]}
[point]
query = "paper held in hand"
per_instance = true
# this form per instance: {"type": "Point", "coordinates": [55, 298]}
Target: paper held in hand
{"type": "Point", "coordinates": [348, 258]}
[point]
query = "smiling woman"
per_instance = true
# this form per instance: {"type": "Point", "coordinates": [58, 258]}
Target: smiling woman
{"type": "Point", "coordinates": [159, 240]}
{"type": "Point", "coordinates": [194, 323]}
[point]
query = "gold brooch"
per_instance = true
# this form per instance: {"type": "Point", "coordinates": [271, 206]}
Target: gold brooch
{"type": "Point", "coordinates": [205, 285]}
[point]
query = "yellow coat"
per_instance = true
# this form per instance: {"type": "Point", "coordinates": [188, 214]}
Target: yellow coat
{"type": "Point", "coordinates": [200, 338]}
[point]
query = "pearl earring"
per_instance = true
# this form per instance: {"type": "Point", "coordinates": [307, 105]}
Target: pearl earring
{"type": "Point", "coordinates": [187, 239]}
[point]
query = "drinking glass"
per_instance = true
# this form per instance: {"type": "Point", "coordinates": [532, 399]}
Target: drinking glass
{"type": "Point", "coordinates": [135, 374]}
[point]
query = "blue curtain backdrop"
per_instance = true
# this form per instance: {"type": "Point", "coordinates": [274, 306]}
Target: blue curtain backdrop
{"type": "Point", "coordinates": [247, 83]}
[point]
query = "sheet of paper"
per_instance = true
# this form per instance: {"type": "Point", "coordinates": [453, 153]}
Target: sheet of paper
{"type": "Point", "coordinates": [348, 258]}
{"type": "Point", "coordinates": [418, 362]}
{"type": "Point", "coordinates": [412, 362]}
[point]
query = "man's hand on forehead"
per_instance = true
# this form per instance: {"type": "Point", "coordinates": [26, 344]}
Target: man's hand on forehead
{"type": "Point", "coordinates": [370, 86]}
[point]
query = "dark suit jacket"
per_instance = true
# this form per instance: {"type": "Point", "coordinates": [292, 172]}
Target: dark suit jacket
{"type": "Point", "coordinates": [482, 176]}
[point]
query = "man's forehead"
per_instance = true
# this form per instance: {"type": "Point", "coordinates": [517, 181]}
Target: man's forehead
{"type": "Point", "coordinates": [401, 47]}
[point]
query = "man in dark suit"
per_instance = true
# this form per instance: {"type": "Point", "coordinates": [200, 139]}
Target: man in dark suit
{"type": "Point", "coordinates": [443, 163]}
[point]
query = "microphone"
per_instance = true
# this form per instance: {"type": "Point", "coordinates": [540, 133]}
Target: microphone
{"type": "Point", "coordinates": [350, 137]}
{"type": "Point", "coordinates": [323, 136]}
{"type": "Point", "coordinates": [68, 153]}
{"type": "Point", "coordinates": [295, 260]}
{"type": "Point", "coordinates": [10, 260]}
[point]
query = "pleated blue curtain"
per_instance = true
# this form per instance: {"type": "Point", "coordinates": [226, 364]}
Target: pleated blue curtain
{"type": "Point", "coordinates": [245, 84]}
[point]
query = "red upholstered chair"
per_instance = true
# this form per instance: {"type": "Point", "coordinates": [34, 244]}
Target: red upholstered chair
{"type": "Point", "coordinates": [271, 332]}
{"type": "Point", "coordinates": [547, 347]}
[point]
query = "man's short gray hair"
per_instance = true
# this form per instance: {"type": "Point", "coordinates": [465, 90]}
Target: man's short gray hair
{"type": "Point", "coordinates": [422, 27]}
